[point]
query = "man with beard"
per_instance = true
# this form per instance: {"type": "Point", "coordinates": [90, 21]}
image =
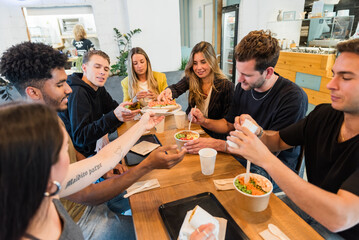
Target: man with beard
{"type": "Point", "coordinates": [273, 101]}
{"type": "Point", "coordinates": [330, 136]}
{"type": "Point", "coordinates": [37, 71]}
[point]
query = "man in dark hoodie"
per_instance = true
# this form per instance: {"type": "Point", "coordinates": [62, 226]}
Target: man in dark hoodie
{"type": "Point", "coordinates": [37, 71]}
{"type": "Point", "coordinates": [92, 113]}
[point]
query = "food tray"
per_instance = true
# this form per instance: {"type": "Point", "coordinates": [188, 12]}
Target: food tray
{"type": "Point", "coordinates": [133, 158]}
{"type": "Point", "coordinates": [173, 214]}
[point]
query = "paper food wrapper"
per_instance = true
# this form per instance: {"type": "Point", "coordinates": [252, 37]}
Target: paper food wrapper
{"type": "Point", "coordinates": [144, 147]}
{"type": "Point", "coordinates": [200, 217]}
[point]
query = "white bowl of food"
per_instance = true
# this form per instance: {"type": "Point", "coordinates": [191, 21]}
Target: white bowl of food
{"type": "Point", "coordinates": [184, 136]}
{"type": "Point", "coordinates": [253, 196]}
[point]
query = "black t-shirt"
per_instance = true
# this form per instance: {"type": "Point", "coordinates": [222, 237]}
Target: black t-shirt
{"type": "Point", "coordinates": [82, 46]}
{"type": "Point", "coordinates": [279, 107]}
{"type": "Point", "coordinates": [330, 165]}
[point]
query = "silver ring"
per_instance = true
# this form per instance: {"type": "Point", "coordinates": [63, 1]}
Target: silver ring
{"type": "Point", "coordinates": [205, 233]}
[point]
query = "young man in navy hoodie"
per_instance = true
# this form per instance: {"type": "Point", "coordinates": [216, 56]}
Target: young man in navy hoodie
{"type": "Point", "coordinates": [92, 113]}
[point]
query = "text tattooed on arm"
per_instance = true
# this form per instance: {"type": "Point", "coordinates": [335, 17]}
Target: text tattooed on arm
{"type": "Point", "coordinates": [82, 175]}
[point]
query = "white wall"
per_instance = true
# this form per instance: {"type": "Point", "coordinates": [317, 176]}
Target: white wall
{"type": "Point", "coordinates": [159, 21]}
{"type": "Point", "coordinates": [109, 14]}
{"type": "Point", "coordinates": [196, 22]}
{"type": "Point", "coordinates": [12, 26]}
{"type": "Point", "coordinates": [256, 14]}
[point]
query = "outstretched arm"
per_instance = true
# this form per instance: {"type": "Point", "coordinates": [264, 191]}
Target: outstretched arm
{"type": "Point", "coordinates": [218, 126]}
{"type": "Point", "coordinates": [336, 211]}
{"type": "Point", "coordinates": [101, 192]}
{"type": "Point", "coordinates": [83, 173]}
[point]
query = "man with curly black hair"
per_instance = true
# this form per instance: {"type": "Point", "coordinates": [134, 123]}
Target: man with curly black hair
{"type": "Point", "coordinates": [37, 71]}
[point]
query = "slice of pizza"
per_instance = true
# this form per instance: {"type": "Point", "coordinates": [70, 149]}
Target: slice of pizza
{"type": "Point", "coordinates": [170, 104]}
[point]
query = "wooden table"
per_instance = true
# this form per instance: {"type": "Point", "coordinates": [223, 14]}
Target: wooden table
{"type": "Point", "coordinates": [186, 179]}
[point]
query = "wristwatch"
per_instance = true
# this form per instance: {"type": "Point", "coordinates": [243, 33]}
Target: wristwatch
{"type": "Point", "coordinates": [260, 133]}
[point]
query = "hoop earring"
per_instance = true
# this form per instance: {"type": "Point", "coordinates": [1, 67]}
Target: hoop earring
{"type": "Point", "coordinates": [58, 186]}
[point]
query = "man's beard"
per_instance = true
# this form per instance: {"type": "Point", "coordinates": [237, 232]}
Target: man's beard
{"type": "Point", "coordinates": [54, 103]}
{"type": "Point", "coordinates": [259, 83]}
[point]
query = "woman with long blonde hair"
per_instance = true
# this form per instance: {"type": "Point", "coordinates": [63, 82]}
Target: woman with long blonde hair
{"type": "Point", "coordinates": [81, 43]}
{"type": "Point", "coordinates": [142, 84]}
{"type": "Point", "coordinates": [209, 89]}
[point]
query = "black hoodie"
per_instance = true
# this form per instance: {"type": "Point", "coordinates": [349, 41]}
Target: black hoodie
{"type": "Point", "coordinates": [89, 115]}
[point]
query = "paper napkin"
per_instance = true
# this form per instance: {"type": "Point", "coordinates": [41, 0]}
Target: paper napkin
{"type": "Point", "coordinates": [224, 184]}
{"type": "Point", "coordinates": [142, 186]}
{"type": "Point", "coordinates": [268, 235]}
{"type": "Point", "coordinates": [144, 147]}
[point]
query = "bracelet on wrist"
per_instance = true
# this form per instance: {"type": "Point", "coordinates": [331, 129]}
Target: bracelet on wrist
{"type": "Point", "coordinates": [261, 131]}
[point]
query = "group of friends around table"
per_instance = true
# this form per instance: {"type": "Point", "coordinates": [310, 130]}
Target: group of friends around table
{"type": "Point", "coordinates": [62, 158]}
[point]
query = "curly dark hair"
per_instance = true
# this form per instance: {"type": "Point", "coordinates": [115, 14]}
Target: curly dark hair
{"type": "Point", "coordinates": [349, 46]}
{"type": "Point", "coordinates": [261, 46]}
{"type": "Point", "coordinates": [30, 64]}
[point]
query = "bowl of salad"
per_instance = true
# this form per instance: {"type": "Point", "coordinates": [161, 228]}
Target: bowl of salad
{"type": "Point", "coordinates": [185, 136]}
{"type": "Point", "coordinates": [253, 196]}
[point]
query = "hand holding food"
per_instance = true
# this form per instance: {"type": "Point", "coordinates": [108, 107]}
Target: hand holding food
{"type": "Point", "coordinates": [124, 114]}
{"type": "Point", "coordinates": [151, 95]}
{"type": "Point", "coordinates": [205, 231]}
{"type": "Point", "coordinates": [149, 119]}
{"type": "Point", "coordinates": [141, 94]}
{"type": "Point", "coordinates": [199, 217]}
{"type": "Point", "coordinates": [165, 95]}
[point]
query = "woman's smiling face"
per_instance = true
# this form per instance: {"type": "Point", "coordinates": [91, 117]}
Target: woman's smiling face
{"type": "Point", "coordinates": [200, 66]}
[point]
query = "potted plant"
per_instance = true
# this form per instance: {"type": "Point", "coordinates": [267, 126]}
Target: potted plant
{"type": "Point", "coordinates": [124, 44]}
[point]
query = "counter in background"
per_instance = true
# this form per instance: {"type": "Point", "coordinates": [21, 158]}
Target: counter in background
{"type": "Point", "coordinates": [312, 72]}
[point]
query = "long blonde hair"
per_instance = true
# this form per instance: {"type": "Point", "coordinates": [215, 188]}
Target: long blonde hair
{"type": "Point", "coordinates": [196, 94]}
{"type": "Point", "coordinates": [132, 75]}
{"type": "Point", "coordinates": [79, 32]}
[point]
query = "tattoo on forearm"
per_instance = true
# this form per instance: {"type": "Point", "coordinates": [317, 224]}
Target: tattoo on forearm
{"type": "Point", "coordinates": [82, 175]}
{"type": "Point", "coordinates": [95, 168]}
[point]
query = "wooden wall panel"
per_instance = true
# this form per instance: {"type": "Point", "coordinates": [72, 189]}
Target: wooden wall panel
{"type": "Point", "coordinates": [319, 65]}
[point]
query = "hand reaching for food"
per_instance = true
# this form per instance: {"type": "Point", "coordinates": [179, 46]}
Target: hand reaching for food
{"type": "Point", "coordinates": [165, 95]}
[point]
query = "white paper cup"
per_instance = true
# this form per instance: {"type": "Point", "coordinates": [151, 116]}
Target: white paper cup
{"type": "Point", "coordinates": [180, 118]}
{"type": "Point", "coordinates": [160, 127]}
{"type": "Point", "coordinates": [207, 157]}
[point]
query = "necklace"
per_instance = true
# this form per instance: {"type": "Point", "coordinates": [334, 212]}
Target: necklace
{"type": "Point", "coordinates": [258, 99]}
